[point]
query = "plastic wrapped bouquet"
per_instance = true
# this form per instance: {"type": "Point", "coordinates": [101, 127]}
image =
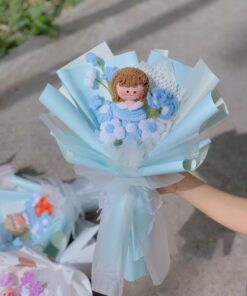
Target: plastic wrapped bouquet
{"type": "Point", "coordinates": [130, 127]}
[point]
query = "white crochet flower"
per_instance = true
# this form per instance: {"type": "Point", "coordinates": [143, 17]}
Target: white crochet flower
{"type": "Point", "coordinates": [151, 129]}
{"type": "Point", "coordinates": [25, 291]}
{"type": "Point", "coordinates": [90, 78]}
{"type": "Point", "coordinates": [45, 292]}
{"type": "Point", "coordinates": [130, 127]}
{"type": "Point", "coordinates": [110, 131]}
{"type": "Point", "coordinates": [104, 109]}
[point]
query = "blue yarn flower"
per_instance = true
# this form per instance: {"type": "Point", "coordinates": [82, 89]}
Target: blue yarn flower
{"type": "Point", "coordinates": [131, 130]}
{"type": "Point", "coordinates": [41, 226]}
{"type": "Point", "coordinates": [92, 58]}
{"type": "Point", "coordinates": [30, 211]}
{"type": "Point", "coordinates": [151, 129]}
{"type": "Point", "coordinates": [154, 98]}
{"type": "Point", "coordinates": [112, 131]}
{"type": "Point", "coordinates": [109, 73]}
{"type": "Point", "coordinates": [169, 110]}
{"type": "Point", "coordinates": [104, 113]}
{"type": "Point", "coordinates": [95, 102]}
{"type": "Point", "coordinates": [17, 242]}
{"type": "Point", "coordinates": [159, 96]}
{"type": "Point", "coordinates": [45, 220]}
{"type": "Point", "coordinates": [91, 78]}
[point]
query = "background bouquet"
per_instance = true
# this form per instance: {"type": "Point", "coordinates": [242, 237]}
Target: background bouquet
{"type": "Point", "coordinates": [37, 213]}
{"type": "Point", "coordinates": [29, 273]}
{"type": "Point", "coordinates": [128, 123]}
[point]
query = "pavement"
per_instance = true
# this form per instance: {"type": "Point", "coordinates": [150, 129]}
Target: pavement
{"type": "Point", "coordinates": [210, 260]}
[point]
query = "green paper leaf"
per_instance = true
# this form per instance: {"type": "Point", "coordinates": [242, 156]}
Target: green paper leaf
{"type": "Point", "coordinates": [59, 240]}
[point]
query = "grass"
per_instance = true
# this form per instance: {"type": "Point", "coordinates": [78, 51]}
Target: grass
{"type": "Point", "coordinates": [21, 19]}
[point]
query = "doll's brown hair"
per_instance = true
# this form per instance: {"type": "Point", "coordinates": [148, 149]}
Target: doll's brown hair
{"type": "Point", "coordinates": [128, 77]}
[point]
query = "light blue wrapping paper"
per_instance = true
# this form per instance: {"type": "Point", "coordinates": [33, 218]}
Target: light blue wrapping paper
{"type": "Point", "coordinates": [67, 113]}
{"type": "Point", "coordinates": [132, 241]}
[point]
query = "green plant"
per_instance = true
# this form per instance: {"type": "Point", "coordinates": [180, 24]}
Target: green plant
{"type": "Point", "coordinates": [20, 19]}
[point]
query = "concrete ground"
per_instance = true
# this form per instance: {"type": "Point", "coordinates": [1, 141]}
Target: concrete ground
{"type": "Point", "coordinates": [211, 260]}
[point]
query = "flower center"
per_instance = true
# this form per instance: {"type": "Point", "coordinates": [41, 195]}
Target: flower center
{"type": "Point", "coordinates": [152, 127]}
{"type": "Point", "coordinates": [110, 128]}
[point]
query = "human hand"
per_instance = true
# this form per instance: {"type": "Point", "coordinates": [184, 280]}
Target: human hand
{"type": "Point", "coordinates": [169, 189]}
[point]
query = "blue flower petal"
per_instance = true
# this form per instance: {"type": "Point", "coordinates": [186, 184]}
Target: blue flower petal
{"type": "Point", "coordinates": [104, 116]}
{"type": "Point", "coordinates": [158, 97]}
{"type": "Point", "coordinates": [109, 73]}
{"type": "Point", "coordinates": [152, 127]}
{"type": "Point", "coordinates": [95, 102]}
{"type": "Point", "coordinates": [91, 58]}
{"type": "Point", "coordinates": [172, 107]}
{"type": "Point", "coordinates": [17, 242]}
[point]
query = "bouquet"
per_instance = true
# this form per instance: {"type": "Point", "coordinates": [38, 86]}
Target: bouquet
{"type": "Point", "coordinates": [130, 127]}
{"type": "Point", "coordinates": [39, 214]}
{"type": "Point", "coordinates": [29, 273]}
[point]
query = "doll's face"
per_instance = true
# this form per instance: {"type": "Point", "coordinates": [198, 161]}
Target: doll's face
{"type": "Point", "coordinates": [132, 93]}
{"type": "Point", "coordinates": [16, 224]}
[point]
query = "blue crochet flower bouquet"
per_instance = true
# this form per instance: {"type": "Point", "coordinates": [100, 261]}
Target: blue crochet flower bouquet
{"type": "Point", "coordinates": [123, 124]}
{"type": "Point", "coordinates": [35, 213]}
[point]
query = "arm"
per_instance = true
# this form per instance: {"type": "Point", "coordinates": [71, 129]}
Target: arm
{"type": "Point", "coordinates": [227, 209]}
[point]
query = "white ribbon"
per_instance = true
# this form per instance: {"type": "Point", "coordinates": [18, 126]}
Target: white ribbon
{"type": "Point", "coordinates": [132, 240]}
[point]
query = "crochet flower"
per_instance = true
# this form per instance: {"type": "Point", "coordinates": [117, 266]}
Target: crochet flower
{"type": "Point", "coordinates": [153, 98]}
{"type": "Point", "coordinates": [24, 291]}
{"type": "Point", "coordinates": [7, 280]}
{"type": "Point", "coordinates": [27, 278]}
{"type": "Point", "coordinates": [95, 102]}
{"type": "Point", "coordinates": [95, 60]}
{"type": "Point", "coordinates": [151, 129]}
{"type": "Point", "coordinates": [111, 131]}
{"type": "Point", "coordinates": [131, 127]}
{"type": "Point", "coordinates": [43, 205]}
{"type": "Point", "coordinates": [29, 285]}
{"type": "Point", "coordinates": [91, 78]}
{"type": "Point", "coordinates": [44, 220]}
{"type": "Point", "coordinates": [91, 58]}
{"type": "Point", "coordinates": [131, 130]}
{"type": "Point", "coordinates": [41, 226]}
{"type": "Point", "coordinates": [109, 73]}
{"type": "Point", "coordinates": [159, 96]}
{"type": "Point", "coordinates": [104, 113]}
{"type": "Point", "coordinates": [29, 211]}
{"type": "Point", "coordinates": [17, 242]}
{"type": "Point", "coordinates": [169, 110]}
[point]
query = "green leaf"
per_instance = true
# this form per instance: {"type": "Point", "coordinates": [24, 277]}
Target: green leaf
{"type": "Point", "coordinates": [26, 18]}
{"type": "Point", "coordinates": [153, 113]}
{"type": "Point", "coordinates": [118, 142]}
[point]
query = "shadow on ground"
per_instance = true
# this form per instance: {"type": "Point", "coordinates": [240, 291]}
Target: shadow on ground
{"type": "Point", "coordinates": [225, 168]}
{"type": "Point", "coordinates": [167, 18]}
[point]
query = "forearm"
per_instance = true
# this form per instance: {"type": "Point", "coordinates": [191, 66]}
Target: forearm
{"type": "Point", "coordinates": [227, 209]}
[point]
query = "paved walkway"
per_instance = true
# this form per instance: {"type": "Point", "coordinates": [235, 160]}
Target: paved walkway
{"type": "Point", "coordinates": [211, 260]}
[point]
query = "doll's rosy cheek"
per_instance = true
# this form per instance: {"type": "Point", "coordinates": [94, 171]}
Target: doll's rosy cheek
{"type": "Point", "coordinates": [122, 91]}
{"type": "Point", "coordinates": [130, 92]}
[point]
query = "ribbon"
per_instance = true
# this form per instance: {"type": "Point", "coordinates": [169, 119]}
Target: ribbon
{"type": "Point", "coordinates": [132, 240]}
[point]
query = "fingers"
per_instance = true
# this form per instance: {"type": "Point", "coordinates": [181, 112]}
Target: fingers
{"type": "Point", "coordinates": [169, 189]}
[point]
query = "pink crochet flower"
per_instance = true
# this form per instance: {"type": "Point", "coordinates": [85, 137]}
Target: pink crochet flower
{"type": "Point", "coordinates": [29, 282]}
{"type": "Point", "coordinates": [7, 280]}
